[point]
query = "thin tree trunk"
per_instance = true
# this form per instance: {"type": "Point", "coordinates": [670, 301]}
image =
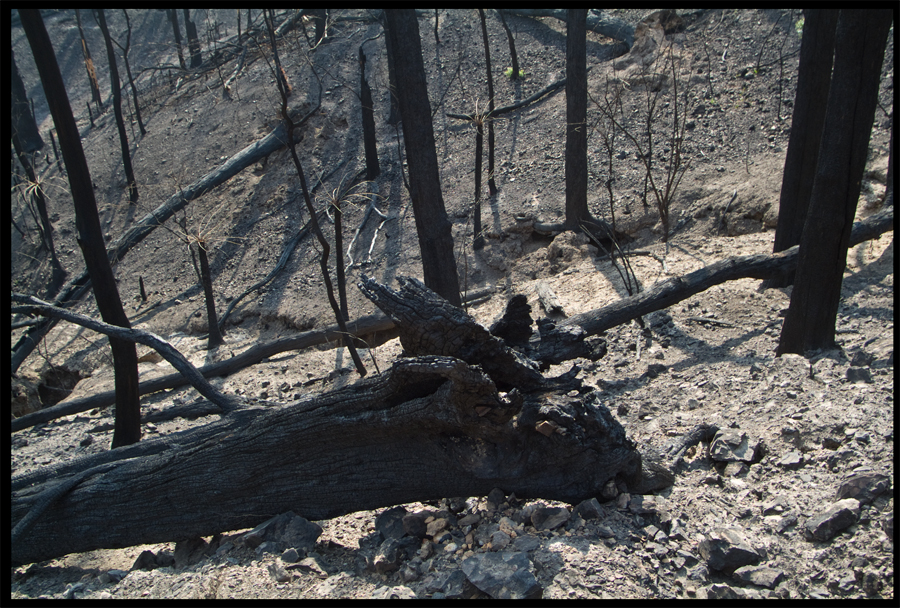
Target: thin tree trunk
{"type": "Point", "coordinates": [173, 18]}
{"type": "Point", "coordinates": [90, 235]}
{"type": "Point", "coordinates": [368, 121]}
{"type": "Point", "coordinates": [476, 219]}
{"type": "Point", "coordinates": [576, 119]}
{"type": "Point", "coordinates": [512, 47]}
{"type": "Point", "coordinates": [137, 106]}
{"type": "Point", "coordinates": [193, 43]}
{"type": "Point", "coordinates": [89, 64]}
{"type": "Point", "coordinates": [215, 334]}
{"type": "Point", "coordinates": [492, 185]}
{"type": "Point", "coordinates": [117, 108]}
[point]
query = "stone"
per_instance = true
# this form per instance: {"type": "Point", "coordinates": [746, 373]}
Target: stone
{"type": "Point", "coordinates": [729, 445]}
{"type": "Point", "coordinates": [525, 543]}
{"type": "Point", "coordinates": [759, 576]}
{"type": "Point", "coordinates": [837, 517]}
{"type": "Point", "coordinates": [549, 518]}
{"type": "Point", "coordinates": [399, 592]}
{"type": "Point", "coordinates": [726, 550]}
{"type": "Point", "coordinates": [145, 561]}
{"type": "Point", "coordinates": [189, 551]}
{"type": "Point", "coordinates": [289, 556]}
{"type": "Point", "coordinates": [414, 524]}
{"type": "Point", "coordinates": [312, 564]}
{"type": "Point", "coordinates": [589, 509]}
{"type": "Point", "coordinates": [859, 374]}
{"type": "Point", "coordinates": [277, 571]}
{"type": "Point", "coordinates": [495, 498]}
{"type": "Point", "coordinates": [864, 487]}
{"type": "Point", "coordinates": [499, 540]}
{"type": "Point", "coordinates": [388, 556]}
{"type": "Point", "coordinates": [721, 592]}
{"type": "Point", "coordinates": [390, 523]}
{"type": "Point", "coordinates": [452, 584]}
{"type": "Point", "coordinates": [792, 460]}
{"type": "Point", "coordinates": [284, 530]}
{"type": "Point", "coordinates": [437, 526]}
{"type": "Point", "coordinates": [505, 575]}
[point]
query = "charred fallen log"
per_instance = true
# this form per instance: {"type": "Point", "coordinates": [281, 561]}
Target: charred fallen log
{"type": "Point", "coordinates": [430, 427]}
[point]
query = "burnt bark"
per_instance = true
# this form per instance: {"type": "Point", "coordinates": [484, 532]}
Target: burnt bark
{"type": "Point", "coordinates": [432, 223]}
{"type": "Point", "coordinates": [193, 42]}
{"type": "Point", "coordinates": [860, 41]}
{"type": "Point", "coordinates": [576, 120]}
{"type": "Point", "coordinates": [368, 120]}
{"type": "Point", "coordinates": [89, 64]}
{"type": "Point", "coordinates": [813, 80]}
{"type": "Point", "coordinates": [87, 222]}
{"type": "Point", "coordinates": [430, 427]}
{"type": "Point", "coordinates": [117, 108]}
{"type": "Point", "coordinates": [173, 19]}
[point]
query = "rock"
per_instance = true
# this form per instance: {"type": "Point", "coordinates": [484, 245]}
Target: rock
{"type": "Point", "coordinates": [864, 487]}
{"type": "Point", "coordinates": [414, 524]}
{"type": "Point", "coordinates": [759, 576]}
{"type": "Point", "coordinates": [525, 543]}
{"type": "Point", "coordinates": [189, 551]}
{"type": "Point", "coordinates": [837, 517]}
{"type": "Point", "coordinates": [435, 527]}
{"type": "Point", "coordinates": [495, 498]}
{"type": "Point", "coordinates": [452, 584]}
{"type": "Point", "coordinates": [859, 374]}
{"type": "Point", "coordinates": [508, 526]}
{"type": "Point", "coordinates": [503, 575]}
{"type": "Point", "coordinates": [388, 556]}
{"type": "Point", "coordinates": [224, 548]}
{"type": "Point", "coordinates": [312, 564]}
{"type": "Point", "coordinates": [729, 446]}
{"type": "Point", "coordinates": [792, 460]}
{"type": "Point", "coordinates": [277, 571]}
{"type": "Point", "coordinates": [609, 491]}
{"type": "Point", "coordinates": [888, 524]}
{"type": "Point", "coordinates": [646, 505]}
{"type": "Point", "coordinates": [721, 592]}
{"type": "Point", "coordinates": [499, 540]}
{"type": "Point", "coordinates": [145, 561]}
{"type": "Point", "coordinates": [590, 508]}
{"type": "Point", "coordinates": [549, 518]}
{"type": "Point", "coordinates": [390, 523]}
{"type": "Point", "coordinates": [469, 520]}
{"type": "Point", "coordinates": [393, 593]}
{"type": "Point", "coordinates": [726, 550]}
{"type": "Point", "coordinates": [290, 556]}
{"type": "Point", "coordinates": [284, 530]}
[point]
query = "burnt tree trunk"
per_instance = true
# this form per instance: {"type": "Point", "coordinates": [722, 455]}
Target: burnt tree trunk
{"type": "Point", "coordinates": [432, 224]}
{"type": "Point", "coordinates": [576, 120]}
{"type": "Point", "coordinates": [173, 18]}
{"type": "Point", "coordinates": [90, 235]}
{"type": "Point", "coordinates": [813, 80]}
{"type": "Point", "coordinates": [860, 41]}
{"type": "Point", "coordinates": [430, 427]}
{"type": "Point", "coordinates": [368, 121]}
{"type": "Point", "coordinates": [117, 108]}
{"type": "Point", "coordinates": [215, 334]}
{"type": "Point", "coordinates": [193, 42]}
{"type": "Point", "coordinates": [89, 64]}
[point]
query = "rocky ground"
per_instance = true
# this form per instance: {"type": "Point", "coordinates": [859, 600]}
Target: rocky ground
{"type": "Point", "coordinates": [792, 499]}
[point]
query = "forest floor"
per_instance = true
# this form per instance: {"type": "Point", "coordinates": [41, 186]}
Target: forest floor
{"type": "Point", "coordinates": [820, 420]}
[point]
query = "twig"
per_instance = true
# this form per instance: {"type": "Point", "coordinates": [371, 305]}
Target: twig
{"type": "Point", "coordinates": [711, 321]}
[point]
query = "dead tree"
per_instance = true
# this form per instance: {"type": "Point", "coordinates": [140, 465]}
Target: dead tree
{"type": "Point", "coordinates": [193, 42]}
{"type": "Point", "coordinates": [117, 107]}
{"type": "Point", "coordinates": [134, 94]}
{"type": "Point", "coordinates": [89, 64]}
{"type": "Point", "coordinates": [90, 235]}
{"type": "Point", "coordinates": [432, 426]}
{"type": "Point", "coordinates": [173, 18]}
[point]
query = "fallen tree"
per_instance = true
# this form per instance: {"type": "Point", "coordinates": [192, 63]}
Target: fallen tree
{"type": "Point", "coordinates": [758, 266]}
{"type": "Point", "coordinates": [432, 426]}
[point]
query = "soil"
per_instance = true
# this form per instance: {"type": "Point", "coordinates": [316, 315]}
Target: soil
{"type": "Point", "coordinates": [716, 349]}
